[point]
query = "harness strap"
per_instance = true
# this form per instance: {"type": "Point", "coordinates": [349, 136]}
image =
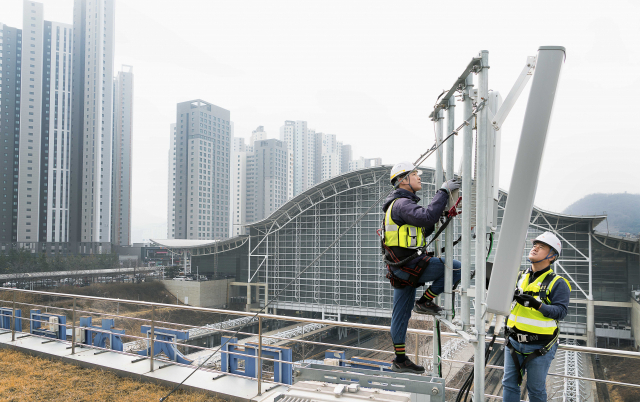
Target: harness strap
{"type": "Point", "coordinates": [528, 356]}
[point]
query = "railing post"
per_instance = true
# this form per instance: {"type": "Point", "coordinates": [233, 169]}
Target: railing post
{"type": "Point", "coordinates": [73, 328]}
{"type": "Point", "coordinates": [13, 319]}
{"type": "Point", "coordinates": [151, 349]}
{"type": "Point", "coordinates": [260, 355]}
{"type": "Point", "coordinates": [416, 340]}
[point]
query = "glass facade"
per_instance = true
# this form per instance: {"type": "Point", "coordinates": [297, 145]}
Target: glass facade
{"type": "Point", "coordinates": [350, 277]}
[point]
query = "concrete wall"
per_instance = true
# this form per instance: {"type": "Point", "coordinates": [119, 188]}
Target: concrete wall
{"type": "Point", "coordinates": [200, 294]}
{"type": "Point", "coordinates": [635, 321]}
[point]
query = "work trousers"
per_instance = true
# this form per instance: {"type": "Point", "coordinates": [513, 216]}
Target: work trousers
{"type": "Point", "coordinates": [536, 371]}
{"type": "Point", "coordinates": [404, 299]}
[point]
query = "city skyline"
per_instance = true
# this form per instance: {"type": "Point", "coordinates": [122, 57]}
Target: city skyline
{"type": "Point", "coordinates": [71, 155]}
{"type": "Point", "coordinates": [373, 80]}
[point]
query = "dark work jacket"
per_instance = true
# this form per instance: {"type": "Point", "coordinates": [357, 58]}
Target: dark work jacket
{"type": "Point", "coordinates": [406, 211]}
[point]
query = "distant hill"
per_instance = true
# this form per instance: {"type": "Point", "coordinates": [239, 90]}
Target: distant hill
{"type": "Point", "coordinates": [622, 209]}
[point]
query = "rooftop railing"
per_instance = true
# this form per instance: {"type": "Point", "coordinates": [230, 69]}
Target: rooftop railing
{"type": "Point", "coordinates": [8, 300]}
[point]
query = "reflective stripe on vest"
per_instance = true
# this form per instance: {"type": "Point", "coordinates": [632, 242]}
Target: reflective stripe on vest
{"type": "Point", "coordinates": [527, 318]}
{"type": "Point", "coordinates": [406, 236]}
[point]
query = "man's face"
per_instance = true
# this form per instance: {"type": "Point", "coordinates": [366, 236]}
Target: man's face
{"type": "Point", "coordinates": [414, 181]}
{"type": "Point", "coordinates": [539, 251]}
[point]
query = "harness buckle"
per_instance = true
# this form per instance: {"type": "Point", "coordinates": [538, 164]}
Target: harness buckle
{"type": "Point", "coordinates": [522, 338]}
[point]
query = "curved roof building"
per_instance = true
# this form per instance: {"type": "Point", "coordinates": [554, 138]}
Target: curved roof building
{"type": "Point", "coordinates": [349, 277]}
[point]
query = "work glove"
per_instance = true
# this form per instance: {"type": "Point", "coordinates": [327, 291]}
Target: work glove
{"type": "Point", "coordinates": [528, 301]}
{"type": "Point", "coordinates": [451, 185]}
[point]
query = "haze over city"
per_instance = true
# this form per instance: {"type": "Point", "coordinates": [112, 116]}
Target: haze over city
{"type": "Point", "coordinates": [370, 74]}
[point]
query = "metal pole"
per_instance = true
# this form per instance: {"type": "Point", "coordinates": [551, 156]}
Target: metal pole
{"type": "Point", "coordinates": [151, 347]}
{"type": "Point", "coordinates": [73, 328]}
{"type": "Point", "coordinates": [266, 276]}
{"type": "Point", "coordinates": [481, 227]}
{"type": "Point", "coordinates": [438, 184]}
{"type": "Point", "coordinates": [184, 262]}
{"type": "Point", "coordinates": [260, 355]}
{"type": "Point", "coordinates": [591, 336]}
{"type": "Point", "coordinates": [448, 234]}
{"type": "Point", "coordinates": [590, 263]}
{"type": "Point", "coordinates": [467, 156]}
{"type": "Point", "coordinates": [13, 319]}
{"type": "Point", "coordinates": [416, 340]}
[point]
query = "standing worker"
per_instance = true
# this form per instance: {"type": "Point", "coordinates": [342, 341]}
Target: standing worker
{"type": "Point", "coordinates": [406, 227]}
{"type": "Point", "coordinates": [540, 301]}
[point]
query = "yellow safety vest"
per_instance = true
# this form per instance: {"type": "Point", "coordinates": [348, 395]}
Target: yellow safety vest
{"type": "Point", "coordinates": [529, 319]}
{"type": "Point", "coordinates": [406, 236]}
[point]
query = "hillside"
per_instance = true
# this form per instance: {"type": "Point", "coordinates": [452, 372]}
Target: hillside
{"type": "Point", "coordinates": [622, 209]}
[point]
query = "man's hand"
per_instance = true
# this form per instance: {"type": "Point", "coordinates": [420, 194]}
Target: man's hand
{"type": "Point", "coordinates": [451, 185]}
{"type": "Point", "coordinates": [528, 301]}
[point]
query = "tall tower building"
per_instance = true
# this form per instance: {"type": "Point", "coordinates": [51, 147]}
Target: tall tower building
{"type": "Point", "coordinates": [171, 202]}
{"type": "Point", "coordinates": [266, 179]}
{"type": "Point", "coordinates": [122, 140]}
{"type": "Point", "coordinates": [372, 162]}
{"type": "Point", "coordinates": [42, 168]}
{"type": "Point", "coordinates": [10, 84]}
{"type": "Point", "coordinates": [346, 156]}
{"type": "Point", "coordinates": [202, 158]}
{"type": "Point", "coordinates": [257, 135]}
{"type": "Point", "coordinates": [330, 155]}
{"type": "Point", "coordinates": [238, 186]}
{"type": "Point", "coordinates": [92, 125]}
{"type": "Point", "coordinates": [302, 146]}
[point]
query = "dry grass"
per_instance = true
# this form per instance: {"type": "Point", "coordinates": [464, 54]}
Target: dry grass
{"type": "Point", "coordinates": [622, 370]}
{"type": "Point", "coordinates": [27, 378]}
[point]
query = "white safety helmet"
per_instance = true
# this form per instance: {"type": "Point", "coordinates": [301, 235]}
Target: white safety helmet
{"type": "Point", "coordinates": [550, 240]}
{"type": "Point", "coordinates": [402, 168]}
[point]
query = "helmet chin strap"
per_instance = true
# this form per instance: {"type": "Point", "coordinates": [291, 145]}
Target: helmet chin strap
{"type": "Point", "coordinates": [550, 255]}
{"type": "Point", "coordinates": [409, 184]}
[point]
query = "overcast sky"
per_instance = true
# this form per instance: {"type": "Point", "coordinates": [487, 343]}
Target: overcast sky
{"type": "Point", "coordinates": [370, 72]}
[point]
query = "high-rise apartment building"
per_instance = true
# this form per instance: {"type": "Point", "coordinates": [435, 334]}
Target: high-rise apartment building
{"type": "Point", "coordinates": [41, 139]}
{"type": "Point", "coordinates": [238, 186]}
{"type": "Point", "coordinates": [372, 162]}
{"type": "Point", "coordinates": [347, 155]}
{"type": "Point", "coordinates": [328, 156]}
{"type": "Point", "coordinates": [122, 140]}
{"type": "Point", "coordinates": [92, 125]}
{"type": "Point", "coordinates": [202, 163]}
{"type": "Point", "coordinates": [356, 164]}
{"type": "Point", "coordinates": [266, 179]}
{"type": "Point", "coordinates": [257, 135]}
{"type": "Point", "coordinates": [10, 84]}
{"type": "Point", "coordinates": [171, 199]}
{"type": "Point", "coordinates": [57, 81]}
{"type": "Point", "coordinates": [302, 146]}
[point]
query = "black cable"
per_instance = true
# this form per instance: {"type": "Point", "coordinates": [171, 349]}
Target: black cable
{"type": "Point", "coordinates": [418, 162]}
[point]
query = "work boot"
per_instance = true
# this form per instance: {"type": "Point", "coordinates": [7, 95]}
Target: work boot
{"type": "Point", "coordinates": [427, 307]}
{"type": "Point", "coordinates": [407, 366]}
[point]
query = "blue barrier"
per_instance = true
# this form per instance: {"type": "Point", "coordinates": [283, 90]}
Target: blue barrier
{"type": "Point", "coordinates": [100, 338]}
{"type": "Point", "coordinates": [371, 364]}
{"type": "Point", "coordinates": [169, 349]}
{"type": "Point", "coordinates": [52, 330]}
{"type": "Point", "coordinates": [6, 315]}
{"type": "Point", "coordinates": [282, 372]}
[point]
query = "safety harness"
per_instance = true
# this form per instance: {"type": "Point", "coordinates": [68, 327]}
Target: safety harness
{"type": "Point", "coordinates": [418, 269]}
{"type": "Point", "coordinates": [524, 338]}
